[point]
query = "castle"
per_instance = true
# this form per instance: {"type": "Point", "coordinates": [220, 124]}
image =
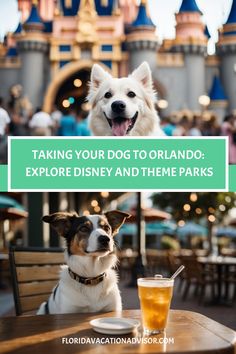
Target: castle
{"type": "Point", "coordinates": [57, 41]}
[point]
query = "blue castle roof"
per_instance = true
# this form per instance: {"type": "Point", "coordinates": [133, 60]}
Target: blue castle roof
{"type": "Point", "coordinates": [143, 19]}
{"type": "Point", "coordinates": [189, 6]}
{"type": "Point", "coordinates": [217, 91]}
{"type": "Point", "coordinates": [34, 17]}
{"type": "Point", "coordinates": [12, 52]}
{"type": "Point", "coordinates": [100, 8]}
{"type": "Point", "coordinates": [232, 14]}
{"type": "Point", "coordinates": [18, 29]}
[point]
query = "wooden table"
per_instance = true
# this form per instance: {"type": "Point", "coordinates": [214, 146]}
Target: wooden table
{"type": "Point", "coordinates": [191, 332]}
{"type": "Point", "coordinates": [222, 265]}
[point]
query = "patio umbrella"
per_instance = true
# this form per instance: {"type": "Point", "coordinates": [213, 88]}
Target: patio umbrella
{"type": "Point", "coordinates": [149, 215]}
{"type": "Point", "coordinates": [7, 202]}
{"type": "Point", "coordinates": [191, 228]}
{"type": "Point", "coordinates": [12, 214]}
{"type": "Point", "coordinates": [161, 228]}
{"type": "Point", "coordinates": [226, 231]}
{"type": "Point", "coordinates": [10, 209]}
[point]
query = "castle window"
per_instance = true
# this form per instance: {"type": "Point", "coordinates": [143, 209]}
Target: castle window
{"type": "Point", "coordinates": [64, 48]}
{"type": "Point", "coordinates": [107, 47]}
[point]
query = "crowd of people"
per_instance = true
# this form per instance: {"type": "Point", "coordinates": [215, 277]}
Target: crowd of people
{"type": "Point", "coordinates": [206, 124]}
{"type": "Point", "coordinates": [17, 122]}
{"type": "Point", "coordinates": [70, 123]}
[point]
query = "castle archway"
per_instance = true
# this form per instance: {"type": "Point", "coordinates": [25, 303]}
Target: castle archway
{"type": "Point", "coordinates": [70, 84]}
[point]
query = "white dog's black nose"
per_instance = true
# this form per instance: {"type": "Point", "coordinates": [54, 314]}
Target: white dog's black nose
{"type": "Point", "coordinates": [103, 240]}
{"type": "Point", "coordinates": [118, 106]}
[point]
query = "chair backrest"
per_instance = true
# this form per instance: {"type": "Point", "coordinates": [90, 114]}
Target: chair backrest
{"type": "Point", "coordinates": [35, 271]}
{"type": "Point", "coordinates": [193, 269]}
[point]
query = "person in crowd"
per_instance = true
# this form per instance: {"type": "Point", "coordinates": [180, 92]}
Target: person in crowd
{"type": "Point", "coordinates": [183, 127]}
{"type": "Point", "coordinates": [82, 128]}
{"type": "Point", "coordinates": [210, 126]}
{"type": "Point", "coordinates": [17, 127]}
{"type": "Point", "coordinates": [41, 123]}
{"type": "Point", "coordinates": [228, 128]}
{"type": "Point", "coordinates": [4, 119]}
{"type": "Point", "coordinates": [68, 124]}
{"type": "Point", "coordinates": [168, 126]}
{"type": "Point", "coordinates": [196, 129]}
{"type": "Point", "coordinates": [56, 116]}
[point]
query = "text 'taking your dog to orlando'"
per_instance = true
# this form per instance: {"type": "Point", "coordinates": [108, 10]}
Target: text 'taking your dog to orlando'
{"type": "Point", "coordinates": [114, 154]}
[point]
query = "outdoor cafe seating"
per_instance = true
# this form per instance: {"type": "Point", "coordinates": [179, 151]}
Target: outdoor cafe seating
{"type": "Point", "coordinates": [35, 271]}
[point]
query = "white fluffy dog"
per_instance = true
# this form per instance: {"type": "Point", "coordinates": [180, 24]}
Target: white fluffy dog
{"type": "Point", "coordinates": [123, 107]}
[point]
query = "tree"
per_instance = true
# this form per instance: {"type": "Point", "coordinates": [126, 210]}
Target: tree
{"type": "Point", "coordinates": [194, 206]}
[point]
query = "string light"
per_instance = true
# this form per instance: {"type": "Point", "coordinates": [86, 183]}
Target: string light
{"type": "Point", "coordinates": [65, 103]}
{"type": "Point", "coordinates": [104, 194]}
{"type": "Point", "coordinates": [211, 210]}
{"type": "Point", "coordinates": [97, 209]}
{"type": "Point", "coordinates": [193, 197]}
{"type": "Point", "coordinates": [78, 83]}
{"type": "Point", "coordinates": [198, 211]}
{"type": "Point", "coordinates": [227, 199]}
{"type": "Point", "coordinates": [94, 203]}
{"type": "Point", "coordinates": [211, 218]}
{"type": "Point", "coordinates": [222, 207]}
{"type": "Point", "coordinates": [187, 207]}
{"type": "Point", "coordinates": [71, 100]}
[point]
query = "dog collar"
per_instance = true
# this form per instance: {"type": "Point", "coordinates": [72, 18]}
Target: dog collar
{"type": "Point", "coordinates": [87, 281]}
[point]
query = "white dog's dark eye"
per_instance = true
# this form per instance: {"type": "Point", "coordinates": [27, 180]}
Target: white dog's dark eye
{"type": "Point", "coordinates": [131, 94]}
{"type": "Point", "coordinates": [108, 95]}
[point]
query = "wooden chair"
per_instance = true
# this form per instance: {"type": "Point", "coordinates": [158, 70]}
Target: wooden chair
{"type": "Point", "coordinates": [35, 271]}
{"type": "Point", "coordinates": [196, 275]}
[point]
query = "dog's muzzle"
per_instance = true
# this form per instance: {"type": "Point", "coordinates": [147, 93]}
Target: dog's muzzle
{"type": "Point", "coordinates": [121, 126]}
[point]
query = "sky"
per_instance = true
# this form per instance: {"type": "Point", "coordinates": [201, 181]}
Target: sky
{"type": "Point", "coordinates": [162, 13]}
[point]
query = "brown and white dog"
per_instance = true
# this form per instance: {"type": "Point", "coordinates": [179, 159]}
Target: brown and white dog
{"type": "Point", "coordinates": [88, 283]}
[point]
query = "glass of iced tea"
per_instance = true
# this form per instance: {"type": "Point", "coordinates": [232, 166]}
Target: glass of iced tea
{"type": "Point", "coordinates": [155, 297]}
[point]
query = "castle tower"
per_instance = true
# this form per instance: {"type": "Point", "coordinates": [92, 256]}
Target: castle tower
{"type": "Point", "coordinates": [32, 46]}
{"type": "Point", "coordinates": [226, 48]}
{"type": "Point", "coordinates": [219, 101]}
{"type": "Point", "coordinates": [141, 40]}
{"type": "Point", "coordinates": [192, 42]}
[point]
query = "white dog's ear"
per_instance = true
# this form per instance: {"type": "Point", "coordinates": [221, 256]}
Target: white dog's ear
{"type": "Point", "coordinates": [143, 75]}
{"type": "Point", "coordinates": [98, 75]}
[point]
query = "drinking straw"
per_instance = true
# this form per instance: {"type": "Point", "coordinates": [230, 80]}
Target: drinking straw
{"type": "Point", "coordinates": [179, 270]}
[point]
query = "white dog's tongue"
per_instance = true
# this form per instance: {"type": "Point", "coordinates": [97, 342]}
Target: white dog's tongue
{"type": "Point", "coordinates": [119, 128]}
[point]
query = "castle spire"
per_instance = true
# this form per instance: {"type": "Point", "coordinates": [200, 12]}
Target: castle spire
{"type": "Point", "coordinates": [143, 19]}
{"type": "Point", "coordinates": [189, 6]}
{"type": "Point", "coordinates": [232, 15]}
{"type": "Point", "coordinates": [34, 22]}
{"type": "Point", "coordinates": [217, 91]}
{"type": "Point", "coordinates": [219, 100]}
